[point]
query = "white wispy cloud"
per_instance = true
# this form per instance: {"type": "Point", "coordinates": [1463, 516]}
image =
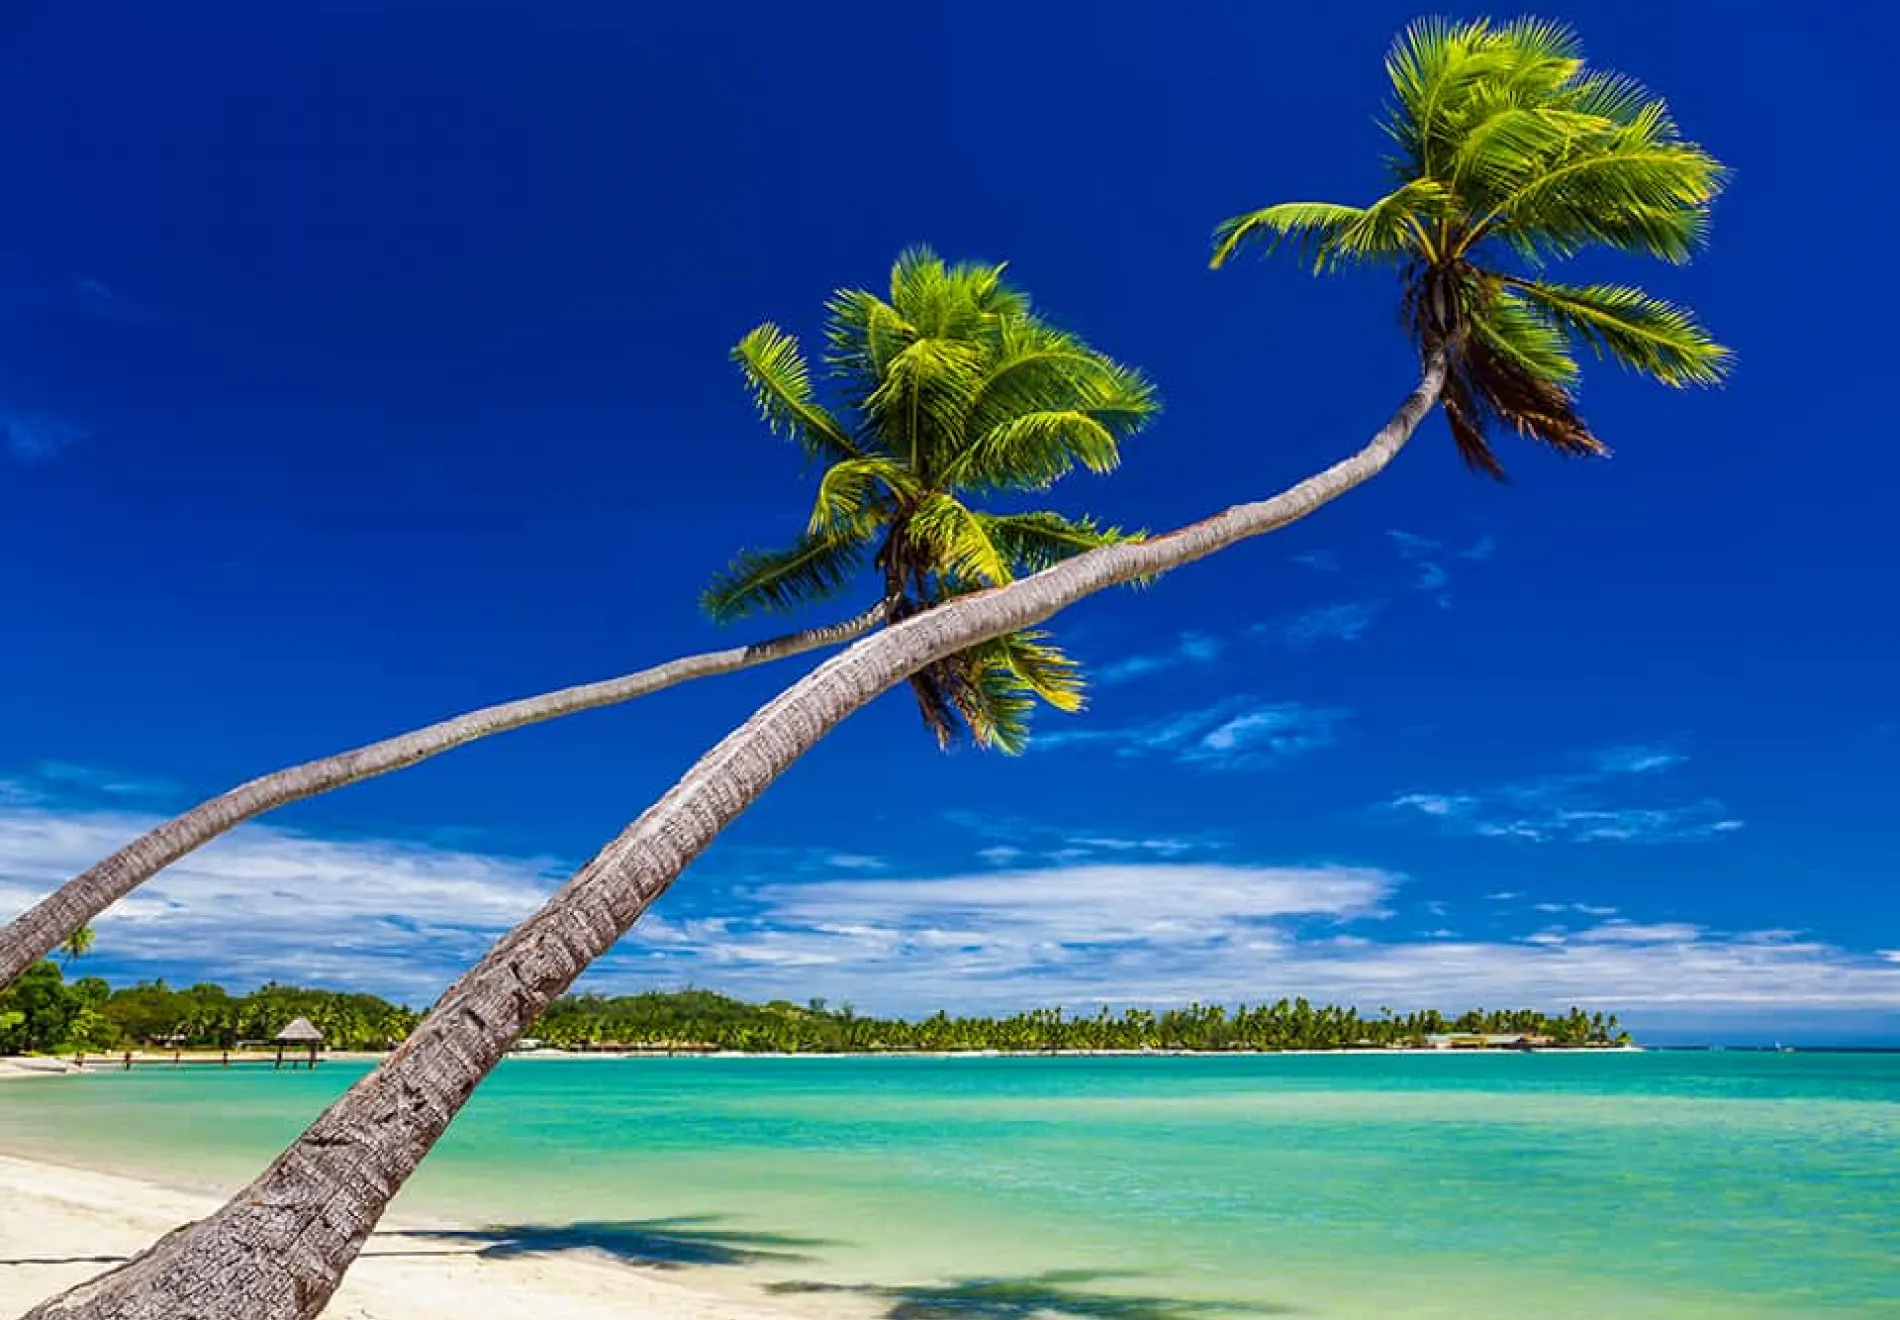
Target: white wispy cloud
{"type": "Point", "coordinates": [1585, 806]}
{"type": "Point", "coordinates": [1413, 546]}
{"type": "Point", "coordinates": [1014, 841]}
{"type": "Point", "coordinates": [1190, 648]}
{"type": "Point", "coordinates": [1426, 557]}
{"type": "Point", "coordinates": [1239, 733]}
{"type": "Point", "coordinates": [1076, 906]}
{"type": "Point", "coordinates": [1430, 574]}
{"type": "Point", "coordinates": [36, 437]}
{"type": "Point", "coordinates": [1637, 760]}
{"type": "Point", "coordinates": [800, 860]}
{"type": "Point", "coordinates": [403, 919]}
{"type": "Point", "coordinates": [1320, 561]}
{"type": "Point", "coordinates": [1269, 733]}
{"type": "Point", "coordinates": [1589, 909]}
{"type": "Point", "coordinates": [855, 862]}
{"type": "Point", "coordinates": [1630, 932]}
{"type": "Point", "coordinates": [58, 777]}
{"type": "Point", "coordinates": [1343, 621]}
{"type": "Point", "coordinates": [265, 903]}
{"type": "Point", "coordinates": [1165, 933]}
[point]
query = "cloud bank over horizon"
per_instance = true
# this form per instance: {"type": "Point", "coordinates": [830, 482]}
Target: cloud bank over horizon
{"type": "Point", "coordinates": [1037, 917]}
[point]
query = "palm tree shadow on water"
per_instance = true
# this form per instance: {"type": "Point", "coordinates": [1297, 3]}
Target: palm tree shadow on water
{"type": "Point", "coordinates": [1057, 1295]}
{"type": "Point", "coordinates": [671, 1243]}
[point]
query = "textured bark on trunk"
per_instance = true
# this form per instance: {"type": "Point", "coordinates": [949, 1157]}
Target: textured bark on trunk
{"type": "Point", "coordinates": [279, 1248]}
{"type": "Point", "coordinates": [42, 928]}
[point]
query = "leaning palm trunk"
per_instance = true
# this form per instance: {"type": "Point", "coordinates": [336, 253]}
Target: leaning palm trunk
{"type": "Point", "coordinates": [278, 1250]}
{"type": "Point", "coordinates": [43, 927]}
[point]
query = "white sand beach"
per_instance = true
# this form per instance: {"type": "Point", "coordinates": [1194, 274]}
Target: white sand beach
{"type": "Point", "coordinates": [59, 1226]}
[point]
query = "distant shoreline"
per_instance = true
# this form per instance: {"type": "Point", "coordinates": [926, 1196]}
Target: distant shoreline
{"type": "Point", "coordinates": [1367, 1052]}
{"type": "Point", "coordinates": [145, 1060]}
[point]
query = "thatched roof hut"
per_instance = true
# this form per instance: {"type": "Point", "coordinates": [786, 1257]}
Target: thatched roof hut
{"type": "Point", "coordinates": [303, 1034]}
{"type": "Point", "coordinates": [301, 1031]}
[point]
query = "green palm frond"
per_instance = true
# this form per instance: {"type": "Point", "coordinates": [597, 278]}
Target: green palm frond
{"type": "Point", "coordinates": [1035, 450]}
{"type": "Point", "coordinates": [1658, 339]}
{"type": "Point", "coordinates": [859, 495]}
{"type": "Point", "coordinates": [1036, 368]}
{"type": "Point", "coordinates": [959, 545]}
{"type": "Point", "coordinates": [949, 387]}
{"type": "Point", "coordinates": [777, 581]}
{"type": "Point", "coordinates": [918, 408]}
{"type": "Point", "coordinates": [1397, 225]}
{"type": "Point", "coordinates": [1541, 57]}
{"type": "Point", "coordinates": [1032, 542]}
{"type": "Point", "coordinates": [1313, 226]}
{"type": "Point", "coordinates": [1517, 331]}
{"type": "Point", "coordinates": [1043, 669]}
{"type": "Point", "coordinates": [1001, 681]}
{"type": "Point", "coordinates": [1433, 66]}
{"type": "Point", "coordinates": [780, 380]}
{"type": "Point", "coordinates": [862, 334]}
{"type": "Point", "coordinates": [1510, 146]}
{"type": "Point", "coordinates": [1512, 143]}
{"type": "Point", "coordinates": [951, 301]}
{"type": "Point", "coordinates": [1636, 197]}
{"type": "Point", "coordinates": [1614, 97]}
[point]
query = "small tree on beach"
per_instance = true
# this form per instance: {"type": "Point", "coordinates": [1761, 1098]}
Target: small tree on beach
{"type": "Point", "coordinates": [954, 390]}
{"type": "Point", "coordinates": [1505, 117]}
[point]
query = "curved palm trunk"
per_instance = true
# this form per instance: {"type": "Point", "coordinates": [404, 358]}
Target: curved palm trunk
{"type": "Point", "coordinates": [278, 1250]}
{"type": "Point", "coordinates": [42, 928]}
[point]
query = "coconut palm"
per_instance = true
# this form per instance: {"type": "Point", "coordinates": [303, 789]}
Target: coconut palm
{"type": "Point", "coordinates": [76, 945]}
{"type": "Point", "coordinates": [955, 389]}
{"type": "Point", "coordinates": [279, 1248]}
{"type": "Point", "coordinates": [1513, 154]}
{"type": "Point", "coordinates": [952, 389]}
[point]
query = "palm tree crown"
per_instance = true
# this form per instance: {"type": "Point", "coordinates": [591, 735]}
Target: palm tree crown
{"type": "Point", "coordinates": [1510, 146]}
{"type": "Point", "coordinates": [76, 945]}
{"type": "Point", "coordinates": [951, 388]}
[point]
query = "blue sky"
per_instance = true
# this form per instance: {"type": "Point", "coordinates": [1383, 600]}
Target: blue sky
{"type": "Point", "coordinates": [363, 365]}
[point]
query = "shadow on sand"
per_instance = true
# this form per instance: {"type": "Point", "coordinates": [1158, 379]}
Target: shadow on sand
{"type": "Point", "coordinates": [698, 1240]}
{"type": "Point", "coordinates": [1059, 1295]}
{"type": "Point", "coordinates": [662, 1243]}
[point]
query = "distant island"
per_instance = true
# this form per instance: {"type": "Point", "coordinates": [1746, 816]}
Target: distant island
{"type": "Point", "coordinates": [46, 1014]}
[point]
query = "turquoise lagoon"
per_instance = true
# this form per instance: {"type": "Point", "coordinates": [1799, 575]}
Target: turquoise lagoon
{"type": "Point", "coordinates": [1560, 1186]}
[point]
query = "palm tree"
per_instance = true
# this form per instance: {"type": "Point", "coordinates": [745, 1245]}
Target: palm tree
{"type": "Point", "coordinates": [954, 389]}
{"type": "Point", "coordinates": [76, 945]}
{"type": "Point", "coordinates": [1513, 153]}
{"type": "Point", "coordinates": [279, 1248]}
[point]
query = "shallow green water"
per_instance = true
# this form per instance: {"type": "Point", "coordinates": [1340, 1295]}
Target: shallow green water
{"type": "Point", "coordinates": [1724, 1185]}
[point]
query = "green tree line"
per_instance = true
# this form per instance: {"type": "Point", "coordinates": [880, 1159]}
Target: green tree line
{"type": "Point", "coordinates": [704, 1020]}
{"type": "Point", "coordinates": [44, 1012]}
